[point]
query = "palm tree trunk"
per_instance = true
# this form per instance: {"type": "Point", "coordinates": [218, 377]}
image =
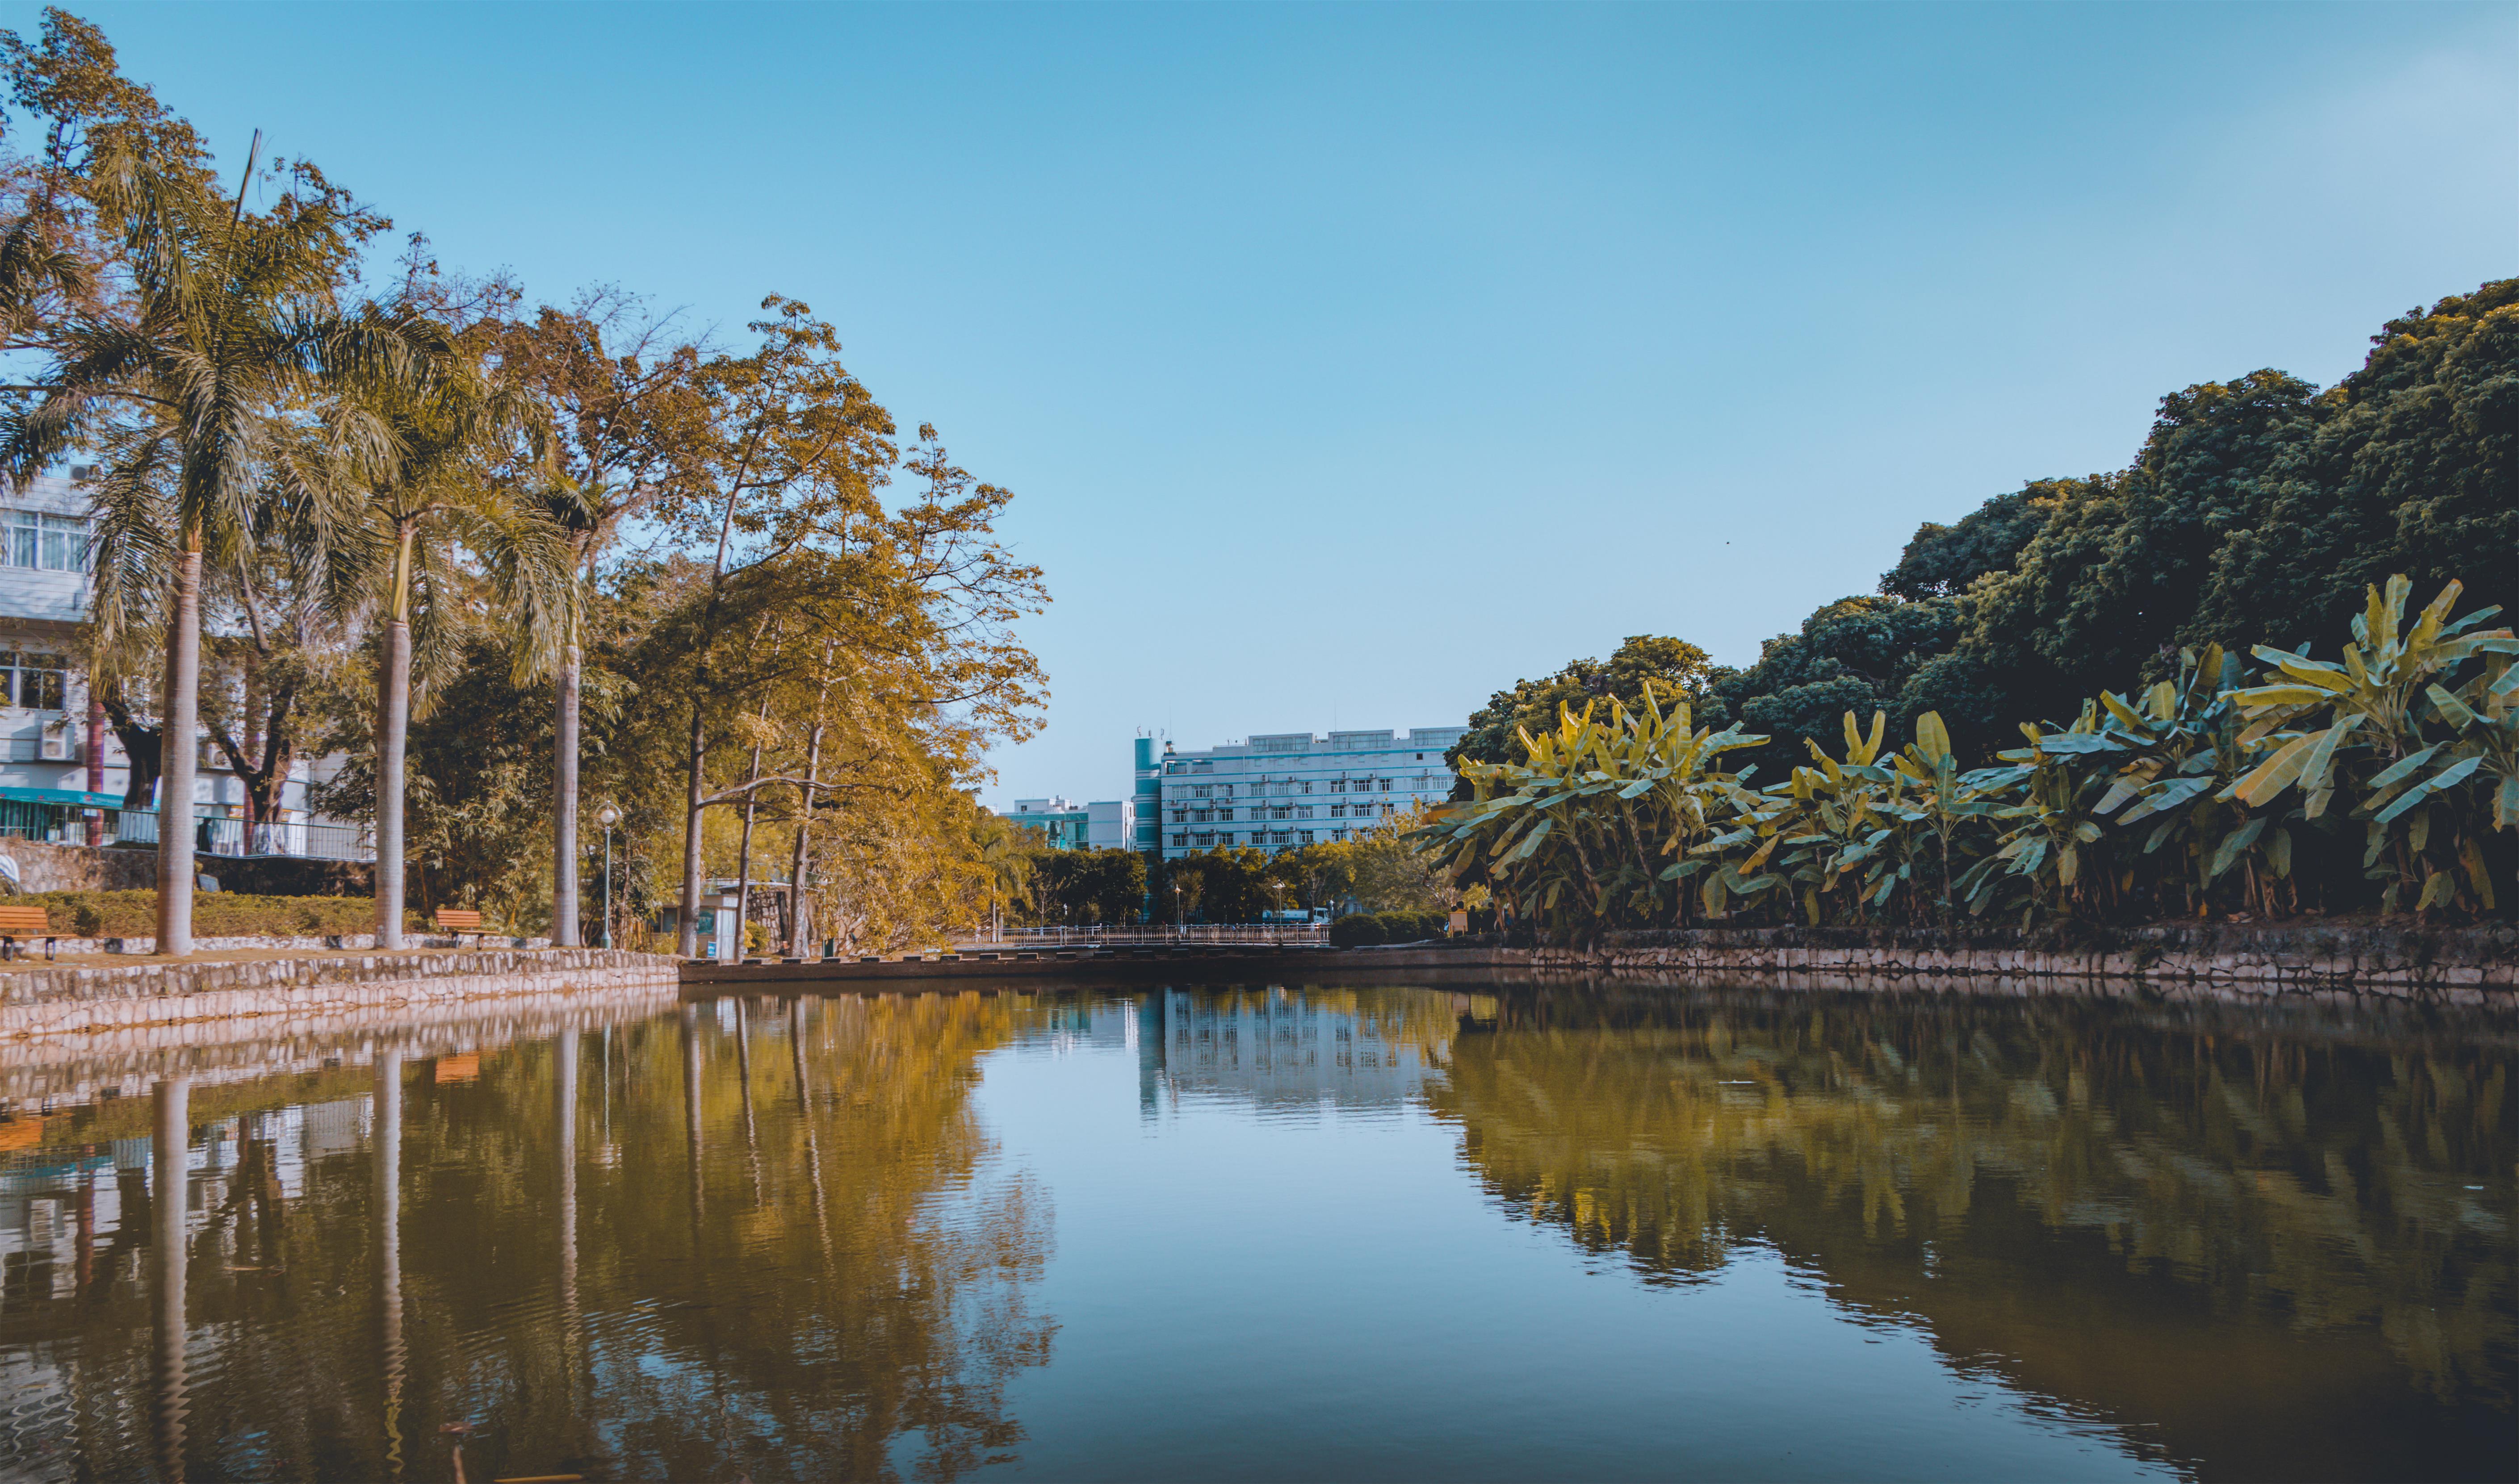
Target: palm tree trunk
{"type": "Point", "coordinates": [564, 929]}
{"type": "Point", "coordinates": [393, 722]}
{"type": "Point", "coordinates": [179, 754]}
{"type": "Point", "coordinates": [393, 726]}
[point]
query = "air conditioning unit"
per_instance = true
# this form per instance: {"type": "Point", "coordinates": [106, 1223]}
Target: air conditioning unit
{"type": "Point", "coordinates": [55, 747]}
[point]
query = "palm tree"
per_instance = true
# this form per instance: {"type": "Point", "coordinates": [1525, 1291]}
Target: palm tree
{"type": "Point", "coordinates": [437, 522]}
{"type": "Point", "coordinates": [228, 315]}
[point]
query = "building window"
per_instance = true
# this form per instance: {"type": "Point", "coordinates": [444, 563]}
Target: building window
{"type": "Point", "coordinates": [1181, 842]}
{"type": "Point", "coordinates": [1338, 811]}
{"type": "Point", "coordinates": [1181, 816]}
{"type": "Point", "coordinates": [1198, 791]}
{"type": "Point", "coordinates": [1304, 836]}
{"type": "Point", "coordinates": [1385, 785]}
{"type": "Point", "coordinates": [1202, 767]}
{"type": "Point", "coordinates": [1303, 811]}
{"type": "Point", "coordinates": [47, 543]}
{"type": "Point", "coordinates": [31, 680]}
{"type": "Point", "coordinates": [1389, 809]}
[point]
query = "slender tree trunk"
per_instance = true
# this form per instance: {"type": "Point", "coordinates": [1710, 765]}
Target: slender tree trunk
{"type": "Point", "coordinates": [743, 855]}
{"type": "Point", "coordinates": [565, 910]}
{"type": "Point", "coordinates": [393, 724]}
{"type": "Point", "coordinates": [694, 799]}
{"type": "Point", "coordinates": [179, 753]}
{"type": "Point", "coordinates": [797, 863]}
{"type": "Point", "coordinates": [688, 937]}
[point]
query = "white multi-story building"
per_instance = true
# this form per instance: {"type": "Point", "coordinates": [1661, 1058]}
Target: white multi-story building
{"type": "Point", "coordinates": [47, 740]}
{"type": "Point", "coordinates": [1292, 789]}
{"type": "Point", "coordinates": [63, 772]}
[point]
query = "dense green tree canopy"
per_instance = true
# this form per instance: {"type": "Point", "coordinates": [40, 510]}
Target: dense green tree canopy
{"type": "Point", "coordinates": [2258, 510]}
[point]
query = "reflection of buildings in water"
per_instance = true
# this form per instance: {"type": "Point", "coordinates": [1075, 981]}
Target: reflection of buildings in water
{"type": "Point", "coordinates": [129, 1213]}
{"type": "Point", "coordinates": [1286, 1047]}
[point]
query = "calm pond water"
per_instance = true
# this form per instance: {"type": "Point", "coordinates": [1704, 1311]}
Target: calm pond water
{"type": "Point", "coordinates": [1271, 1233]}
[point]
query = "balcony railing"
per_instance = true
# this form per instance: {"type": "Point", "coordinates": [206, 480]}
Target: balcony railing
{"type": "Point", "coordinates": [70, 825]}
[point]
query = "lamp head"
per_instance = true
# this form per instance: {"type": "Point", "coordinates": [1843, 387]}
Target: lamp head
{"type": "Point", "coordinates": [607, 816]}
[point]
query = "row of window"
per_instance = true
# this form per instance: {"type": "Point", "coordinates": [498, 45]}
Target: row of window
{"type": "Point", "coordinates": [1208, 765]}
{"type": "Point", "coordinates": [1290, 787]}
{"type": "Point", "coordinates": [45, 542]}
{"type": "Point", "coordinates": [35, 682]}
{"type": "Point", "coordinates": [1279, 811]}
{"type": "Point", "coordinates": [1203, 840]}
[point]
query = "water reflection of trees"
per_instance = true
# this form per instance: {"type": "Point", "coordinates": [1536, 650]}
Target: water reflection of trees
{"type": "Point", "coordinates": [810, 1268]}
{"type": "Point", "coordinates": [2151, 1211]}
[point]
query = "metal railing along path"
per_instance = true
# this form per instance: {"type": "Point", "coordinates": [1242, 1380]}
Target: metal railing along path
{"type": "Point", "coordinates": [212, 835]}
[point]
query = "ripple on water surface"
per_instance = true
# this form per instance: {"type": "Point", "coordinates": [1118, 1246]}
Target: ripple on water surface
{"type": "Point", "coordinates": [1369, 1231]}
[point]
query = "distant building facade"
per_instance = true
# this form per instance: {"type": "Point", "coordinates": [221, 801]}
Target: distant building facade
{"type": "Point", "coordinates": [52, 740]}
{"type": "Point", "coordinates": [1111, 824]}
{"type": "Point", "coordinates": [1288, 789]}
{"type": "Point", "coordinates": [63, 772]}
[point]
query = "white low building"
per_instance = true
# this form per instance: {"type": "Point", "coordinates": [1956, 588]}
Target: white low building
{"type": "Point", "coordinates": [1109, 824]}
{"type": "Point", "coordinates": [1290, 789]}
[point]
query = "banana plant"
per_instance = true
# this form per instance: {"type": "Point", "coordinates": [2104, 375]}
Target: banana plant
{"type": "Point", "coordinates": [1940, 800]}
{"type": "Point", "coordinates": [2375, 712]}
{"type": "Point", "coordinates": [1845, 824]}
{"type": "Point", "coordinates": [2041, 856]}
{"type": "Point", "coordinates": [1574, 838]}
{"type": "Point", "coordinates": [2182, 750]}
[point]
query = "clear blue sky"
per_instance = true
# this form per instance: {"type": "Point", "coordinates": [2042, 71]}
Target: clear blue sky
{"type": "Point", "coordinates": [1351, 363]}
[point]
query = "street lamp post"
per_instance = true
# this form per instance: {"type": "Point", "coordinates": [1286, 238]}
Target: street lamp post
{"type": "Point", "coordinates": [608, 816]}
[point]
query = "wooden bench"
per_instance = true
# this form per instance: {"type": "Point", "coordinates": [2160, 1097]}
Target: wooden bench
{"type": "Point", "coordinates": [23, 923]}
{"type": "Point", "coordinates": [459, 921]}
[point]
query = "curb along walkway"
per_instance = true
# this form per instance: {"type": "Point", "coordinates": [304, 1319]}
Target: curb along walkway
{"type": "Point", "coordinates": [112, 997]}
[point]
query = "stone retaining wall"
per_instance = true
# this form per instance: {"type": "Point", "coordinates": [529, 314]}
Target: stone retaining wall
{"type": "Point", "coordinates": [122, 1062]}
{"type": "Point", "coordinates": [112, 997]}
{"type": "Point", "coordinates": [2472, 965]}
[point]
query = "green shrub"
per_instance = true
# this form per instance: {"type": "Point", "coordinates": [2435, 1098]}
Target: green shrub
{"type": "Point", "coordinates": [1363, 929]}
{"type": "Point", "coordinates": [1356, 930]}
{"type": "Point", "coordinates": [1411, 927]}
{"type": "Point", "coordinates": [215, 914]}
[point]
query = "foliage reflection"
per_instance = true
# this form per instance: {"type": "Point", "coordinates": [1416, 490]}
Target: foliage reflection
{"type": "Point", "coordinates": [2244, 1233]}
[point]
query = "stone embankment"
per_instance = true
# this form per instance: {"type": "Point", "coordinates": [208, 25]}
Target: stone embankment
{"type": "Point", "coordinates": [68, 999]}
{"type": "Point", "coordinates": [42, 1071]}
{"type": "Point", "coordinates": [2469, 964]}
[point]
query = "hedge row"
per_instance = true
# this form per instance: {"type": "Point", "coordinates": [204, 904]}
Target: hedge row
{"type": "Point", "coordinates": [215, 914]}
{"type": "Point", "coordinates": [1363, 929]}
